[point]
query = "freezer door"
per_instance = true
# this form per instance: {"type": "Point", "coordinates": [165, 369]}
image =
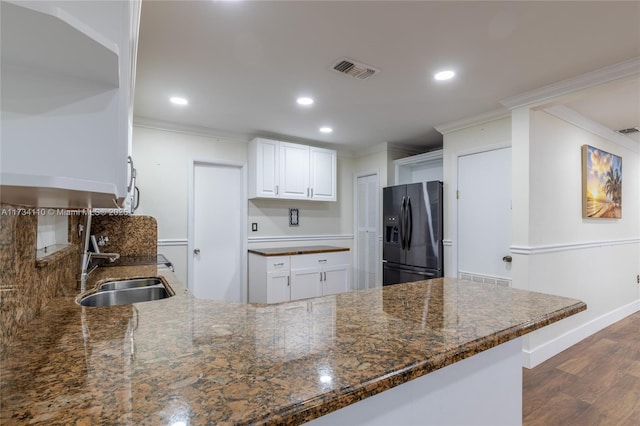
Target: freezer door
{"type": "Point", "coordinates": [396, 274]}
{"type": "Point", "coordinates": [392, 226]}
{"type": "Point", "coordinates": [424, 233]}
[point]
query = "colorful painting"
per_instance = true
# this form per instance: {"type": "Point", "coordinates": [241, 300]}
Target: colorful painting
{"type": "Point", "coordinates": [601, 184]}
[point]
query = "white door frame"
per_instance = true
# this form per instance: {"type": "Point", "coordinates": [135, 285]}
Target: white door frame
{"type": "Point", "coordinates": [451, 270]}
{"type": "Point", "coordinates": [191, 219]}
{"type": "Point", "coordinates": [378, 237]}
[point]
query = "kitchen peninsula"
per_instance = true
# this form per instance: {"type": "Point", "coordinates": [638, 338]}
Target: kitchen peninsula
{"type": "Point", "coordinates": [187, 361]}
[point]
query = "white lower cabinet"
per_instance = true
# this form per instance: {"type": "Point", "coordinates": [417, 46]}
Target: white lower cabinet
{"type": "Point", "coordinates": [305, 283]}
{"type": "Point", "coordinates": [322, 274]}
{"type": "Point", "coordinates": [335, 279]}
{"type": "Point", "coordinates": [274, 279]}
{"type": "Point", "coordinates": [278, 286]}
{"type": "Point", "coordinates": [271, 277]}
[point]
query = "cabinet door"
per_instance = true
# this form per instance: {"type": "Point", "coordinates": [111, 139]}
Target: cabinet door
{"type": "Point", "coordinates": [278, 286]}
{"type": "Point", "coordinates": [322, 174]}
{"type": "Point", "coordinates": [267, 163]}
{"type": "Point", "coordinates": [294, 171]}
{"type": "Point", "coordinates": [335, 279]}
{"type": "Point", "coordinates": [305, 283]}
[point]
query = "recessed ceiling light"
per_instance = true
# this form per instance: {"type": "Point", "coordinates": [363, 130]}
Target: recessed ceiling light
{"type": "Point", "coordinates": [444, 75]}
{"type": "Point", "coordinates": [178, 100]}
{"type": "Point", "coordinates": [305, 101]}
{"type": "Point", "coordinates": [326, 129]}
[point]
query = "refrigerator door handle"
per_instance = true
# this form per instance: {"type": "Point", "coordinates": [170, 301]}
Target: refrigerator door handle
{"type": "Point", "coordinates": [409, 213]}
{"type": "Point", "coordinates": [402, 214]}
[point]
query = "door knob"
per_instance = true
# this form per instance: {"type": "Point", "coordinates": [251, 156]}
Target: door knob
{"type": "Point", "coordinates": [196, 251]}
{"type": "Point", "coordinates": [507, 259]}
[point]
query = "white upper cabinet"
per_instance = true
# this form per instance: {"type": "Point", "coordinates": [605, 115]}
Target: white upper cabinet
{"type": "Point", "coordinates": [323, 174]}
{"type": "Point", "coordinates": [294, 171]}
{"type": "Point", "coordinates": [68, 70]}
{"type": "Point", "coordinates": [264, 161]}
{"type": "Point", "coordinates": [291, 171]}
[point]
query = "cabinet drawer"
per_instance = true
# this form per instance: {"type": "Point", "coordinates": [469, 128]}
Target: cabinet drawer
{"type": "Point", "coordinates": [277, 263]}
{"type": "Point", "coordinates": [302, 261]}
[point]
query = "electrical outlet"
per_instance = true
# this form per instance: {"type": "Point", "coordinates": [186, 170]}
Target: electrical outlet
{"type": "Point", "coordinates": [254, 226]}
{"type": "Point", "coordinates": [638, 279]}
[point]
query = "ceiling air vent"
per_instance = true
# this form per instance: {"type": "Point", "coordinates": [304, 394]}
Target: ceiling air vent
{"type": "Point", "coordinates": [354, 69]}
{"type": "Point", "coordinates": [629, 130]}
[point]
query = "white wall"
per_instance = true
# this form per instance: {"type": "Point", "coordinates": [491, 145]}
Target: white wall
{"type": "Point", "coordinates": [555, 250]}
{"type": "Point", "coordinates": [162, 159]}
{"type": "Point", "coordinates": [594, 260]}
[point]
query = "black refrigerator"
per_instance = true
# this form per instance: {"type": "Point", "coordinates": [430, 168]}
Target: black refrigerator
{"type": "Point", "coordinates": [412, 232]}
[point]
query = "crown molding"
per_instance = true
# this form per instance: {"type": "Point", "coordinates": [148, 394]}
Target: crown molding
{"type": "Point", "coordinates": [207, 132]}
{"type": "Point", "coordinates": [189, 130]}
{"type": "Point", "coordinates": [435, 155]}
{"type": "Point", "coordinates": [547, 94]}
{"type": "Point", "coordinates": [573, 117]}
{"type": "Point", "coordinates": [464, 123]}
{"type": "Point", "coordinates": [408, 149]}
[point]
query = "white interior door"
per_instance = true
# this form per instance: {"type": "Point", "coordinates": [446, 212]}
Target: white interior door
{"type": "Point", "coordinates": [367, 207]}
{"type": "Point", "coordinates": [218, 255]}
{"type": "Point", "coordinates": [484, 216]}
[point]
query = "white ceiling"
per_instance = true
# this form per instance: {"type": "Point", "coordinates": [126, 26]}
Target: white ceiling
{"type": "Point", "coordinates": [242, 64]}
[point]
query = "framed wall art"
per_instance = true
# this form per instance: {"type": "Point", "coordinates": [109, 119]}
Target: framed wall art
{"type": "Point", "coordinates": [601, 184]}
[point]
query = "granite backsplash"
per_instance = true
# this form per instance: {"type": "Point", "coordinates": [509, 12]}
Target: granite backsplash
{"type": "Point", "coordinates": [127, 235]}
{"type": "Point", "coordinates": [28, 283]}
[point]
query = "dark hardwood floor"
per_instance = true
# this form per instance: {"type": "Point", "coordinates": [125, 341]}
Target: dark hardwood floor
{"type": "Point", "coordinates": [595, 382]}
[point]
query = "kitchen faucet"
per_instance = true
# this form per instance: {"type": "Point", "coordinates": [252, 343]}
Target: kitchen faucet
{"type": "Point", "coordinates": [87, 266]}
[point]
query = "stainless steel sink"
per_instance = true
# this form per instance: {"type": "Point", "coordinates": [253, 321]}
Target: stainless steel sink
{"type": "Point", "coordinates": [125, 292]}
{"type": "Point", "coordinates": [126, 296]}
{"type": "Point", "coordinates": [134, 283]}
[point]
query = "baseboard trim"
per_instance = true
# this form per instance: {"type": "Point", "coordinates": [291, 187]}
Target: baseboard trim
{"type": "Point", "coordinates": [286, 238]}
{"type": "Point", "coordinates": [552, 348]}
{"type": "Point", "coordinates": [166, 242]}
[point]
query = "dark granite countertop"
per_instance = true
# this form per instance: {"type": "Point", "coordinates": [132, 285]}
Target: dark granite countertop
{"type": "Point", "coordinates": [291, 251]}
{"type": "Point", "coordinates": [208, 362]}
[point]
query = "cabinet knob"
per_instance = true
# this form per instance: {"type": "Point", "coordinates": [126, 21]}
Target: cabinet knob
{"type": "Point", "coordinates": [196, 251]}
{"type": "Point", "coordinates": [507, 259]}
